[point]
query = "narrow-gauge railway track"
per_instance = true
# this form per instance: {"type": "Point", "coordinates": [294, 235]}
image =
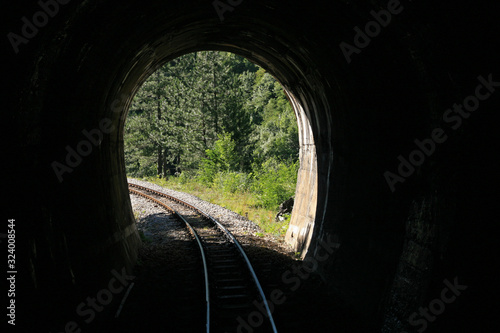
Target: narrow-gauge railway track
{"type": "Point", "coordinates": [231, 284]}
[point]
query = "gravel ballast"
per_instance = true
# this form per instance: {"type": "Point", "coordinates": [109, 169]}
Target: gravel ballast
{"type": "Point", "coordinates": [169, 288]}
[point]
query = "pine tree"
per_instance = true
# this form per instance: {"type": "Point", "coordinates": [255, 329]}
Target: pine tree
{"type": "Point", "coordinates": [182, 110]}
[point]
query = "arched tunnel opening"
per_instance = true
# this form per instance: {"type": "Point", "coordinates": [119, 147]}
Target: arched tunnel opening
{"type": "Point", "coordinates": [410, 221]}
{"type": "Point", "coordinates": [303, 214]}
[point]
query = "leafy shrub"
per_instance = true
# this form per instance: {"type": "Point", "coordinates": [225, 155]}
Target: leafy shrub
{"type": "Point", "coordinates": [275, 182]}
{"type": "Point", "coordinates": [207, 172]}
{"type": "Point", "coordinates": [230, 182]}
{"type": "Point", "coordinates": [185, 177]}
{"type": "Point", "coordinates": [221, 158]}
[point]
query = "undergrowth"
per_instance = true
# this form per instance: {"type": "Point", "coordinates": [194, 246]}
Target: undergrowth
{"type": "Point", "coordinates": [241, 201]}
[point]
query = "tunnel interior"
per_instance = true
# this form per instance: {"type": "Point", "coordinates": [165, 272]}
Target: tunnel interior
{"type": "Point", "coordinates": [357, 114]}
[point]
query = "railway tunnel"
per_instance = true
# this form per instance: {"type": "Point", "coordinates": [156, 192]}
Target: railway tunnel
{"type": "Point", "coordinates": [404, 189]}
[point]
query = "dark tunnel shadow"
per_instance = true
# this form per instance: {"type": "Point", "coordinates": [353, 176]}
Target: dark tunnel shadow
{"type": "Point", "coordinates": [169, 288]}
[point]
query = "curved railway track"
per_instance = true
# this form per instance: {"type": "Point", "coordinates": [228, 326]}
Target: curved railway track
{"type": "Point", "coordinates": [231, 284]}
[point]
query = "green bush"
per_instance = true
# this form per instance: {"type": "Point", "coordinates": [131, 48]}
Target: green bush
{"type": "Point", "coordinates": [222, 158]}
{"type": "Point", "coordinates": [230, 182]}
{"type": "Point", "coordinates": [185, 177]}
{"type": "Point", "coordinates": [207, 172]}
{"type": "Point", "coordinates": [275, 182]}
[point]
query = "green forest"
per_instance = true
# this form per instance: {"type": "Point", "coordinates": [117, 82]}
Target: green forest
{"type": "Point", "coordinates": [213, 121]}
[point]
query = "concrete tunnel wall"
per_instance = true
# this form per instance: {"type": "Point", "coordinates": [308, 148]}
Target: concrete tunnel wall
{"type": "Point", "coordinates": [299, 232]}
{"type": "Point", "coordinates": [394, 249]}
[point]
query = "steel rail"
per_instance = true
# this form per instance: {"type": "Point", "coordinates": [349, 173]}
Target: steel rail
{"type": "Point", "coordinates": [200, 245]}
{"type": "Point", "coordinates": [233, 239]}
{"type": "Point", "coordinates": [250, 268]}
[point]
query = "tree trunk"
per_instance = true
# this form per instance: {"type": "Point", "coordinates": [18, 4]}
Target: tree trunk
{"type": "Point", "coordinates": [216, 111]}
{"type": "Point", "coordinates": [160, 162]}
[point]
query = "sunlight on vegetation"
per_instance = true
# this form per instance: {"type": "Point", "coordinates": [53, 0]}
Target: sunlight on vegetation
{"type": "Point", "coordinates": [217, 126]}
{"type": "Point", "coordinates": [241, 202]}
